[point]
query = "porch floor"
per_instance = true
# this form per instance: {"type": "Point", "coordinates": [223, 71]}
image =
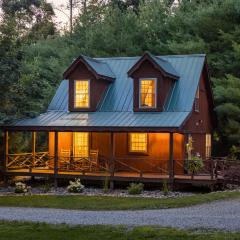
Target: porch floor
{"type": "Point", "coordinates": [118, 176]}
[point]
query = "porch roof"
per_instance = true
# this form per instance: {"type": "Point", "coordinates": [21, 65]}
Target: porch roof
{"type": "Point", "coordinates": [61, 120]}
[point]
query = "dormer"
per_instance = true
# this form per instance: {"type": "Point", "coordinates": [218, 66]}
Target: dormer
{"type": "Point", "coordinates": [89, 80]}
{"type": "Point", "coordinates": [153, 80]}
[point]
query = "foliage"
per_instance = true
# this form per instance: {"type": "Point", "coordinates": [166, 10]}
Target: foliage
{"type": "Point", "coordinates": [21, 187]}
{"type": "Point", "coordinates": [135, 188]}
{"type": "Point", "coordinates": [76, 186]}
{"type": "Point", "coordinates": [195, 164]}
{"type": "Point", "coordinates": [45, 188]}
{"type": "Point", "coordinates": [234, 153]}
{"type": "Point", "coordinates": [165, 187]}
{"type": "Point", "coordinates": [106, 185]}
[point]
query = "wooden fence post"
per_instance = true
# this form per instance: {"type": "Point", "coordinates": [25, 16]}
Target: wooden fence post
{"type": "Point", "coordinates": [5, 156]}
{"type": "Point", "coordinates": [171, 160]}
{"type": "Point", "coordinates": [112, 158]}
{"type": "Point", "coordinates": [33, 148]}
{"type": "Point", "coordinates": [55, 158]}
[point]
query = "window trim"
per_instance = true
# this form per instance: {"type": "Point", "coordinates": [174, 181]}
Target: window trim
{"type": "Point", "coordinates": [208, 149]}
{"type": "Point", "coordinates": [129, 144]}
{"type": "Point", "coordinates": [89, 143]}
{"type": "Point", "coordinates": [139, 92]}
{"type": "Point", "coordinates": [89, 94]}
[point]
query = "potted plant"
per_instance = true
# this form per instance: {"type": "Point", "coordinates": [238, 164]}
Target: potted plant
{"type": "Point", "coordinates": [195, 164]}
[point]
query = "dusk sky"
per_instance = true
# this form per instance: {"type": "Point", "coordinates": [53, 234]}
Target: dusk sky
{"type": "Point", "coordinates": [61, 11]}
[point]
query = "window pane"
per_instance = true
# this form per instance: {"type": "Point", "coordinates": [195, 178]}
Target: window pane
{"type": "Point", "coordinates": [208, 145]}
{"type": "Point", "coordinates": [81, 94]}
{"type": "Point", "coordinates": [147, 94]}
{"type": "Point", "coordinates": [81, 146]}
{"type": "Point", "coordinates": [138, 142]}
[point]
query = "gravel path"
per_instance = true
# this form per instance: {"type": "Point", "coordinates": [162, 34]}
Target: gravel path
{"type": "Point", "coordinates": [222, 215]}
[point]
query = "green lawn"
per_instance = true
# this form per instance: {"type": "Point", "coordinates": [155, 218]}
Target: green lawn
{"type": "Point", "coordinates": [37, 231]}
{"type": "Point", "coordinates": [110, 203]}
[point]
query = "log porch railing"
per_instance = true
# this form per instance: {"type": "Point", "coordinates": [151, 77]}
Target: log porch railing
{"type": "Point", "coordinates": [215, 167]}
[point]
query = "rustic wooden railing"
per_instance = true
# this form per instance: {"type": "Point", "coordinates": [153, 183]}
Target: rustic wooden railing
{"type": "Point", "coordinates": [82, 164]}
{"type": "Point", "coordinates": [27, 160]}
{"type": "Point", "coordinates": [216, 168]}
{"type": "Point", "coordinates": [124, 164]}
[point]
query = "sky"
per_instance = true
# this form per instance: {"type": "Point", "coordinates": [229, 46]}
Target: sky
{"type": "Point", "coordinates": [61, 11]}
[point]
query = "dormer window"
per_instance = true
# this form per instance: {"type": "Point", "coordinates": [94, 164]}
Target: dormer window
{"type": "Point", "coordinates": [82, 94]}
{"type": "Point", "coordinates": [147, 94]}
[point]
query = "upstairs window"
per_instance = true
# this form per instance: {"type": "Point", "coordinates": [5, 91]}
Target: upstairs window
{"type": "Point", "coordinates": [196, 102]}
{"type": "Point", "coordinates": [138, 142]}
{"type": "Point", "coordinates": [81, 94]}
{"type": "Point", "coordinates": [147, 95]}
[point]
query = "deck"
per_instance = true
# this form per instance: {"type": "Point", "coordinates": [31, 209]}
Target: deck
{"type": "Point", "coordinates": [121, 176]}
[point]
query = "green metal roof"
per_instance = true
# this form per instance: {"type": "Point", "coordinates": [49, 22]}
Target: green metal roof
{"type": "Point", "coordinates": [100, 67]}
{"type": "Point", "coordinates": [165, 65]}
{"type": "Point", "coordinates": [116, 109]}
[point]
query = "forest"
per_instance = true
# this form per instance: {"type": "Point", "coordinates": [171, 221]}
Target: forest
{"type": "Point", "coordinates": [34, 52]}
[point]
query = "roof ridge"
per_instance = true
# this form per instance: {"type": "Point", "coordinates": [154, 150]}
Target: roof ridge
{"type": "Point", "coordinates": [158, 56]}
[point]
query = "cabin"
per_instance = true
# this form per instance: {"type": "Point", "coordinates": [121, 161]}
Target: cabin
{"type": "Point", "coordinates": [126, 118]}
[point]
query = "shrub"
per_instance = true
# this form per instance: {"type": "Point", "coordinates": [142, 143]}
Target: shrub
{"type": "Point", "coordinates": [165, 188]}
{"type": "Point", "coordinates": [46, 187]}
{"type": "Point", "coordinates": [76, 186]}
{"type": "Point", "coordinates": [106, 185]}
{"type": "Point", "coordinates": [195, 164]}
{"type": "Point", "coordinates": [21, 187]}
{"type": "Point", "coordinates": [135, 188]}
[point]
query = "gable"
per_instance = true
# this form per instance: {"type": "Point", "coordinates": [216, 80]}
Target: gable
{"type": "Point", "coordinates": [119, 96]}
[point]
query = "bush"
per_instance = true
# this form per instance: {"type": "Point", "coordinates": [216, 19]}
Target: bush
{"type": "Point", "coordinates": [21, 187]}
{"type": "Point", "coordinates": [135, 188]}
{"type": "Point", "coordinates": [46, 187]}
{"type": "Point", "coordinates": [76, 186]}
{"type": "Point", "coordinates": [106, 185]}
{"type": "Point", "coordinates": [165, 188]}
{"type": "Point", "coordinates": [195, 164]}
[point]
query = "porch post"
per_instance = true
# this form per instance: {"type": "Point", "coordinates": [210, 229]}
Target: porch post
{"type": "Point", "coordinates": [171, 160]}
{"type": "Point", "coordinates": [112, 158]}
{"type": "Point", "coordinates": [33, 148]}
{"type": "Point", "coordinates": [5, 155]}
{"type": "Point", "coordinates": [55, 158]}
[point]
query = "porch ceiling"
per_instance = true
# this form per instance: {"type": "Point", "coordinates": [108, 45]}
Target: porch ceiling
{"type": "Point", "coordinates": [110, 120]}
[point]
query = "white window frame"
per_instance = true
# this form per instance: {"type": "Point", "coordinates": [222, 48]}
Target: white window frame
{"type": "Point", "coordinates": [89, 103]}
{"type": "Point", "coordinates": [140, 90]}
{"type": "Point", "coordinates": [130, 144]}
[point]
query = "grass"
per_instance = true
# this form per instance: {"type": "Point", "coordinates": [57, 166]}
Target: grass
{"type": "Point", "coordinates": [111, 203]}
{"type": "Point", "coordinates": [41, 231]}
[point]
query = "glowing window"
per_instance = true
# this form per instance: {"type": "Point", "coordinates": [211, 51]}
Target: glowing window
{"type": "Point", "coordinates": [147, 93]}
{"type": "Point", "coordinates": [81, 144]}
{"type": "Point", "coordinates": [81, 96]}
{"type": "Point", "coordinates": [138, 142]}
{"type": "Point", "coordinates": [208, 145]}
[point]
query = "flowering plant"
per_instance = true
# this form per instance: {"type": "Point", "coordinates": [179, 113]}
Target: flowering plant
{"type": "Point", "coordinates": [76, 186]}
{"type": "Point", "coordinates": [21, 187]}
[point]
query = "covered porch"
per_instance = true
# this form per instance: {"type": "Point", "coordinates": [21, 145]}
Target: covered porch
{"type": "Point", "coordinates": [121, 156]}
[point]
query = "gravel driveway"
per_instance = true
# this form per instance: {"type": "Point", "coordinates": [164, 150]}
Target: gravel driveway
{"type": "Point", "coordinates": [222, 215]}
